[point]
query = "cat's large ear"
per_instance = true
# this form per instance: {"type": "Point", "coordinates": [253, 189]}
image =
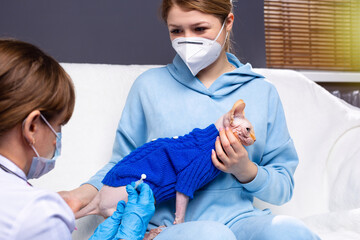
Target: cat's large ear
{"type": "Point", "coordinates": [237, 110]}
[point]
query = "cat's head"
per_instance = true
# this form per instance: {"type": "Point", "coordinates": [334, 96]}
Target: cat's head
{"type": "Point", "coordinates": [240, 125]}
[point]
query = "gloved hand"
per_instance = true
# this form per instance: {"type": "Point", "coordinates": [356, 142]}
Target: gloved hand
{"type": "Point", "coordinates": [107, 229]}
{"type": "Point", "coordinates": [138, 211]}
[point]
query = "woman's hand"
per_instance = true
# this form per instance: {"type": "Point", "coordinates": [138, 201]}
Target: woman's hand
{"type": "Point", "coordinates": [230, 156]}
{"type": "Point", "coordinates": [79, 197]}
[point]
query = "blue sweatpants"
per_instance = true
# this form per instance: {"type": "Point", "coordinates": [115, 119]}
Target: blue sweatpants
{"type": "Point", "coordinates": [268, 227]}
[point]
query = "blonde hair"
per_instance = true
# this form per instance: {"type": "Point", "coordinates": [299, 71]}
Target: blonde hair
{"type": "Point", "coordinates": [218, 8]}
{"type": "Point", "coordinates": [31, 80]}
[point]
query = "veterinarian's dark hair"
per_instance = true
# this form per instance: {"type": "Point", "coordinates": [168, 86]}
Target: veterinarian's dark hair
{"type": "Point", "coordinates": [31, 80]}
{"type": "Point", "coordinates": [218, 8]}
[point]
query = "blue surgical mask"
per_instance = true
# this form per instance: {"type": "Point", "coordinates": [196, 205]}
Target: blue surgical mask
{"type": "Point", "coordinates": [41, 165]}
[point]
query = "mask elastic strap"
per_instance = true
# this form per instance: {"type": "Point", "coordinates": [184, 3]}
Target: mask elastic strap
{"type": "Point", "coordinates": [220, 32]}
{"type": "Point", "coordinates": [225, 39]}
{"type": "Point", "coordinates": [47, 123]}
{"type": "Point", "coordinates": [33, 148]}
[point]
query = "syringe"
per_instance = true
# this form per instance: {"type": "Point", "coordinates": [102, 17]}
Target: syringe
{"type": "Point", "coordinates": [141, 180]}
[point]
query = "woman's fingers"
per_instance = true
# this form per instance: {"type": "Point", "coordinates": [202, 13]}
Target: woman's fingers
{"type": "Point", "coordinates": [234, 141]}
{"type": "Point", "coordinates": [217, 163]}
{"type": "Point", "coordinates": [229, 152]}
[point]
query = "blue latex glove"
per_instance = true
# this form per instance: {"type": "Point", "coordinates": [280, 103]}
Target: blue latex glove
{"type": "Point", "coordinates": [138, 212]}
{"type": "Point", "coordinates": [107, 229]}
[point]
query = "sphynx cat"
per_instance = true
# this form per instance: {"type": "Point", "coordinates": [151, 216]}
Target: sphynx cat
{"type": "Point", "coordinates": [106, 200]}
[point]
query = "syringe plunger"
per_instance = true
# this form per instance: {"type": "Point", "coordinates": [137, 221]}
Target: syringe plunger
{"type": "Point", "coordinates": [141, 180]}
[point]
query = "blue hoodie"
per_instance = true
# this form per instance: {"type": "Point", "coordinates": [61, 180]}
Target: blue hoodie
{"type": "Point", "coordinates": [169, 101]}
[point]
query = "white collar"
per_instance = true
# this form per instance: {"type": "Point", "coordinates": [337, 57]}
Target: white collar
{"type": "Point", "coordinates": [12, 167]}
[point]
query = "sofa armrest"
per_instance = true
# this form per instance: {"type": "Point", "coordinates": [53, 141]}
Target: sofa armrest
{"type": "Point", "coordinates": [343, 170]}
{"type": "Point", "coordinates": [336, 225]}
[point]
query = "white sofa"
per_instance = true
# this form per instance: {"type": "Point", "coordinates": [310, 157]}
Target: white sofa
{"type": "Point", "coordinates": [326, 132]}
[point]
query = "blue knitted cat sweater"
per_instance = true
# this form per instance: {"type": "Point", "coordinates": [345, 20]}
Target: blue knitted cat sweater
{"type": "Point", "coordinates": [180, 164]}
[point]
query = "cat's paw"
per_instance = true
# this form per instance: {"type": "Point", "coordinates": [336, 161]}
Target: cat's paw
{"type": "Point", "coordinates": [153, 233]}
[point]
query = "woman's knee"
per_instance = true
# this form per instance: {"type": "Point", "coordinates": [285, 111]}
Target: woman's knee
{"type": "Point", "coordinates": [198, 230]}
{"type": "Point", "coordinates": [287, 228]}
{"type": "Point", "coordinates": [271, 227]}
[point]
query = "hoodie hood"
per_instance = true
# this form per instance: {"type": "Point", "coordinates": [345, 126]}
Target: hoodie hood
{"type": "Point", "coordinates": [224, 85]}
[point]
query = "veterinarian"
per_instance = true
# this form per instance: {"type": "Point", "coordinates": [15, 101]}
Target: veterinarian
{"type": "Point", "coordinates": [37, 98]}
{"type": "Point", "coordinates": [201, 83]}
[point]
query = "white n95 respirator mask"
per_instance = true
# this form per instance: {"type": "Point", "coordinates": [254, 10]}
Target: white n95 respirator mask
{"type": "Point", "coordinates": [197, 52]}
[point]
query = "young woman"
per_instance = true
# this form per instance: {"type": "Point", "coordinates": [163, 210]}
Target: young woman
{"type": "Point", "coordinates": [37, 98]}
{"type": "Point", "coordinates": [202, 82]}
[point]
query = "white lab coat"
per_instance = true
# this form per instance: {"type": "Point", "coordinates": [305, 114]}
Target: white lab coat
{"type": "Point", "coordinates": [30, 213]}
